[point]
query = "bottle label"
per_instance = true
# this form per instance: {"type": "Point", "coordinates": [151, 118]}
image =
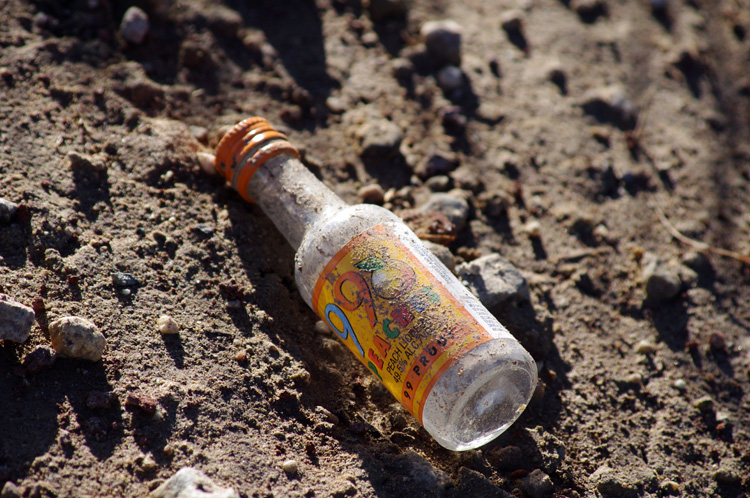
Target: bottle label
{"type": "Point", "coordinates": [397, 315]}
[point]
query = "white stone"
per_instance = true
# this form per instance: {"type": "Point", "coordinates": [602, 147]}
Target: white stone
{"type": "Point", "coordinates": [167, 325]}
{"type": "Point", "coordinates": [76, 337]}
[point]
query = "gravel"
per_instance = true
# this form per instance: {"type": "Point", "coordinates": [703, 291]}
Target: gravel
{"type": "Point", "coordinates": [17, 320]}
{"type": "Point", "coordinates": [538, 484]}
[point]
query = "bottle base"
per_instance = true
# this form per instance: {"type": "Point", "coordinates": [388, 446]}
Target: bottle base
{"type": "Point", "coordinates": [463, 417]}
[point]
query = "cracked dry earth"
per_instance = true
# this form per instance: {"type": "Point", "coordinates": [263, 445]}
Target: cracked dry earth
{"type": "Point", "coordinates": [582, 134]}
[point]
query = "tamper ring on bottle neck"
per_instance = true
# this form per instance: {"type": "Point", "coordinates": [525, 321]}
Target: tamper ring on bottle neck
{"type": "Point", "coordinates": [245, 148]}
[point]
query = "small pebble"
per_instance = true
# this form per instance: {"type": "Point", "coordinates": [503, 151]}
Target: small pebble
{"type": "Point", "coordinates": [142, 401]}
{"type": "Point", "coordinates": [192, 483]}
{"type": "Point", "coordinates": [439, 183]}
{"type": "Point", "coordinates": [452, 118]}
{"type": "Point", "coordinates": [372, 194]}
{"type": "Point", "coordinates": [76, 337]}
{"type": "Point", "coordinates": [241, 355]}
{"type": "Point", "coordinates": [452, 207]}
{"type": "Point", "coordinates": [148, 464]}
{"type": "Point", "coordinates": [538, 484]}
{"type": "Point", "coordinates": [450, 78]}
{"type": "Point", "coordinates": [494, 280]}
{"type": "Point", "coordinates": [167, 325]}
{"type": "Point", "coordinates": [662, 281]}
{"type": "Point", "coordinates": [443, 41]}
{"type": "Point", "coordinates": [645, 347]}
{"type": "Point", "coordinates": [717, 342]}
{"type": "Point", "coordinates": [40, 359]}
{"type": "Point", "coordinates": [322, 328]}
{"type": "Point", "coordinates": [17, 320]}
{"type": "Point", "coordinates": [121, 279]}
{"type": "Point", "coordinates": [680, 385]}
{"type": "Point", "coordinates": [533, 229]}
{"type": "Point", "coordinates": [704, 404]}
{"type": "Point", "coordinates": [669, 487]}
{"type": "Point", "coordinates": [290, 467]}
{"type": "Point", "coordinates": [134, 26]}
{"type": "Point", "coordinates": [402, 68]}
{"type": "Point", "coordinates": [435, 164]}
{"type": "Point", "coordinates": [7, 210]}
{"type": "Point", "coordinates": [634, 379]}
{"type": "Point", "coordinates": [97, 400]}
{"type": "Point", "coordinates": [206, 162]}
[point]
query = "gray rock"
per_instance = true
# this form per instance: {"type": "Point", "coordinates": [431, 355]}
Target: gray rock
{"type": "Point", "coordinates": [442, 253]}
{"type": "Point", "coordinates": [16, 320]}
{"type": "Point", "coordinates": [443, 41]}
{"type": "Point", "coordinates": [121, 279]}
{"type": "Point", "coordinates": [7, 210]}
{"type": "Point", "coordinates": [380, 138]}
{"type": "Point", "coordinates": [192, 483]}
{"type": "Point", "coordinates": [450, 78]}
{"type": "Point", "coordinates": [537, 484]}
{"type": "Point", "coordinates": [134, 26]}
{"type": "Point", "coordinates": [662, 280]}
{"type": "Point", "coordinates": [454, 208]}
{"type": "Point", "coordinates": [76, 337]}
{"type": "Point", "coordinates": [494, 280]}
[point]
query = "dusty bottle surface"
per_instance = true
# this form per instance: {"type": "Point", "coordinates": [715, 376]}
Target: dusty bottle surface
{"type": "Point", "coordinates": [400, 311]}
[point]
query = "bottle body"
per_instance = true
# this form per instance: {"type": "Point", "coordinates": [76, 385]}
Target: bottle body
{"type": "Point", "coordinates": [414, 325]}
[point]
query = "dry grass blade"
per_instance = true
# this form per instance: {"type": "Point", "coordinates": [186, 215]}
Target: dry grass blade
{"type": "Point", "coordinates": [696, 244]}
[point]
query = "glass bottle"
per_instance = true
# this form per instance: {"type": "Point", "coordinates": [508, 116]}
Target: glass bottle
{"type": "Point", "coordinates": [401, 312]}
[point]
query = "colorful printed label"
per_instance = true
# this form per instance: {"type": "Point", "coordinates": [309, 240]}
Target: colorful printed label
{"type": "Point", "coordinates": [395, 315]}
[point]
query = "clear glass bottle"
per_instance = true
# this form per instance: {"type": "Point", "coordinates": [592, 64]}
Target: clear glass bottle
{"type": "Point", "coordinates": [391, 302]}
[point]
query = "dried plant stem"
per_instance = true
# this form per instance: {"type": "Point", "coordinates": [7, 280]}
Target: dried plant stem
{"type": "Point", "coordinates": [696, 244]}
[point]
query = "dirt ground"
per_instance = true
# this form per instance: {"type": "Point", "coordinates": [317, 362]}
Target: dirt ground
{"type": "Point", "coordinates": [579, 186]}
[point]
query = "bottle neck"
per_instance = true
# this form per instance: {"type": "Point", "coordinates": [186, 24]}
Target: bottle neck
{"type": "Point", "coordinates": [291, 196]}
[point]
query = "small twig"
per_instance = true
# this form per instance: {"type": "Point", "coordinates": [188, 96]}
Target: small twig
{"type": "Point", "coordinates": [696, 244]}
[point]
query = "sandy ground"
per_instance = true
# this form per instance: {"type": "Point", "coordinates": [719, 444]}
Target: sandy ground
{"type": "Point", "coordinates": [576, 130]}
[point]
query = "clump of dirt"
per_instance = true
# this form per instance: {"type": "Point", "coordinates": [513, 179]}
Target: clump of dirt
{"type": "Point", "coordinates": [582, 135]}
